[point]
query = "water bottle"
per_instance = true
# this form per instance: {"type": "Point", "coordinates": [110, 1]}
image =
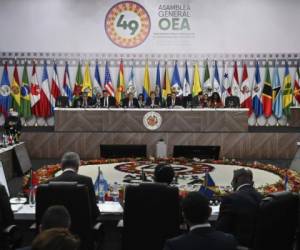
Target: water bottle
{"type": "Point", "coordinates": [101, 192]}
{"type": "Point", "coordinates": [32, 197]}
{"type": "Point", "coordinates": [115, 192]}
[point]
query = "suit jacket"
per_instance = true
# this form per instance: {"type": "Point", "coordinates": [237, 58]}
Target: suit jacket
{"type": "Point", "coordinates": [156, 102]}
{"type": "Point", "coordinates": [111, 101]}
{"type": "Point", "coordinates": [6, 214]}
{"type": "Point", "coordinates": [205, 238]}
{"type": "Point", "coordinates": [125, 103]}
{"type": "Point", "coordinates": [78, 102]}
{"type": "Point", "coordinates": [238, 214]}
{"type": "Point", "coordinates": [81, 179]}
{"type": "Point", "coordinates": [177, 102]}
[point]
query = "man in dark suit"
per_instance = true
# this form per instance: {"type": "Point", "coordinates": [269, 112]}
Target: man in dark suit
{"type": "Point", "coordinates": [196, 211]}
{"type": "Point", "coordinates": [107, 101]}
{"type": "Point", "coordinates": [173, 100]}
{"type": "Point", "coordinates": [70, 163]}
{"type": "Point", "coordinates": [6, 214]}
{"type": "Point", "coordinates": [239, 209]}
{"type": "Point", "coordinates": [130, 101]}
{"type": "Point", "coordinates": [153, 101]}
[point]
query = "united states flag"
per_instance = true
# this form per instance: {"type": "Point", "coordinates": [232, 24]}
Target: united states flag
{"type": "Point", "coordinates": [107, 82]}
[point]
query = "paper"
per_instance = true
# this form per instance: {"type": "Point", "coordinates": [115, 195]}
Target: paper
{"type": "Point", "coordinates": [16, 207]}
{"type": "Point", "coordinates": [215, 209]}
{"type": "Point", "coordinates": [110, 207]}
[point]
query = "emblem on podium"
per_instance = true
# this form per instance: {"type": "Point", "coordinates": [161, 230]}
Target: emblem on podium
{"type": "Point", "coordinates": [152, 120]}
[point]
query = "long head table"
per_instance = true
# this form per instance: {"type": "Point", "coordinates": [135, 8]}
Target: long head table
{"type": "Point", "coordinates": [132, 120]}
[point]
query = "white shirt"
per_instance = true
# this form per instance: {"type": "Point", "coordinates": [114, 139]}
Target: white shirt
{"type": "Point", "coordinates": [200, 226]}
{"type": "Point", "coordinates": [69, 169]}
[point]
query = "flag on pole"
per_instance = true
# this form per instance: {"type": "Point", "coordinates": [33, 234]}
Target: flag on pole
{"type": "Point", "coordinates": [35, 93]}
{"type": "Point", "coordinates": [235, 87]}
{"type": "Point", "coordinates": [297, 86]}
{"type": "Point", "coordinates": [15, 89]}
{"type": "Point", "coordinates": [287, 91]}
{"type": "Point", "coordinates": [207, 187]}
{"type": "Point", "coordinates": [157, 83]}
{"type": "Point", "coordinates": [216, 81]}
{"type": "Point", "coordinates": [45, 96]}
{"type": "Point", "coordinates": [267, 93]}
{"type": "Point", "coordinates": [256, 92]}
{"type": "Point", "coordinates": [5, 98]}
{"type": "Point", "coordinates": [78, 81]}
{"type": "Point", "coordinates": [207, 85]}
{"type": "Point", "coordinates": [186, 82]}
{"type": "Point", "coordinates": [87, 81]}
{"type": "Point", "coordinates": [55, 91]}
{"type": "Point", "coordinates": [196, 82]}
{"type": "Point", "coordinates": [276, 94]}
{"type": "Point", "coordinates": [97, 88]}
{"type": "Point", "coordinates": [66, 86]}
{"type": "Point", "coordinates": [226, 87]}
{"type": "Point", "coordinates": [120, 91]}
{"type": "Point", "coordinates": [146, 87]}
{"type": "Point", "coordinates": [131, 88]}
{"type": "Point", "coordinates": [246, 98]}
{"type": "Point", "coordinates": [176, 84]}
{"type": "Point", "coordinates": [107, 81]}
{"type": "Point", "coordinates": [25, 108]}
{"type": "Point", "coordinates": [166, 89]}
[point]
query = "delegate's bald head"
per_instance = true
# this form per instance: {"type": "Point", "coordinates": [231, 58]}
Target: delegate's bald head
{"type": "Point", "coordinates": [70, 160]}
{"type": "Point", "coordinates": [241, 176]}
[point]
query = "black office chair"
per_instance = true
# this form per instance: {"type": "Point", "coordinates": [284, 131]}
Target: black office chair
{"type": "Point", "coordinates": [232, 102]}
{"type": "Point", "coordinates": [75, 198]}
{"type": "Point", "coordinates": [151, 215]}
{"type": "Point", "coordinates": [62, 102]}
{"type": "Point", "coordinates": [276, 222]}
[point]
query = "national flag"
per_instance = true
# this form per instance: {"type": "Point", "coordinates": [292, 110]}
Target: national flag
{"type": "Point", "coordinates": [207, 85]}
{"type": "Point", "coordinates": [207, 188]}
{"type": "Point", "coordinates": [166, 89]}
{"type": "Point", "coordinates": [131, 88]}
{"type": "Point", "coordinates": [5, 98]}
{"type": "Point", "coordinates": [55, 91]}
{"type": "Point", "coordinates": [15, 89]}
{"type": "Point", "coordinates": [107, 81]}
{"type": "Point", "coordinates": [246, 98]}
{"type": "Point", "coordinates": [235, 86]}
{"type": "Point", "coordinates": [226, 86]}
{"type": "Point", "coordinates": [286, 182]}
{"type": "Point", "coordinates": [287, 91]}
{"type": "Point", "coordinates": [120, 91]}
{"type": "Point", "coordinates": [196, 89]}
{"type": "Point", "coordinates": [87, 81]}
{"type": "Point", "coordinates": [45, 100]}
{"type": "Point", "coordinates": [100, 181]}
{"type": "Point", "coordinates": [186, 82]}
{"type": "Point", "coordinates": [176, 84]}
{"type": "Point", "coordinates": [276, 94]}
{"type": "Point", "coordinates": [267, 93]}
{"type": "Point", "coordinates": [97, 87]}
{"type": "Point", "coordinates": [66, 86]}
{"type": "Point", "coordinates": [25, 108]}
{"type": "Point", "coordinates": [297, 86]}
{"type": "Point", "coordinates": [157, 82]}
{"type": "Point", "coordinates": [78, 82]}
{"type": "Point", "coordinates": [146, 87]}
{"type": "Point", "coordinates": [256, 92]}
{"type": "Point", "coordinates": [216, 81]}
{"type": "Point", "coordinates": [35, 93]}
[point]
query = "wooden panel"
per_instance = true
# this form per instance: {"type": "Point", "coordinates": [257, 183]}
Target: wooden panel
{"type": "Point", "coordinates": [180, 120]}
{"type": "Point", "coordinates": [233, 145]}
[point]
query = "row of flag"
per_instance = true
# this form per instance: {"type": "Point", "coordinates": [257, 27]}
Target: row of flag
{"type": "Point", "coordinates": [261, 97]}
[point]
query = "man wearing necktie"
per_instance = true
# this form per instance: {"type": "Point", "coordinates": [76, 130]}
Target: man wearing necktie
{"type": "Point", "coordinates": [107, 101]}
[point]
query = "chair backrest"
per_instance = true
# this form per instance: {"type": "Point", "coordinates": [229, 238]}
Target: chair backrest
{"type": "Point", "coordinates": [75, 198]}
{"type": "Point", "coordinates": [276, 222]}
{"type": "Point", "coordinates": [151, 215]}
{"type": "Point", "coordinates": [232, 102]}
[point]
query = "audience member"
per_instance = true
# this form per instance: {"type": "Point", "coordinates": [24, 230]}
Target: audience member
{"type": "Point", "coordinates": [238, 210]}
{"type": "Point", "coordinates": [196, 211]}
{"type": "Point", "coordinates": [164, 173]}
{"type": "Point", "coordinates": [70, 163]}
{"type": "Point", "coordinates": [56, 239]}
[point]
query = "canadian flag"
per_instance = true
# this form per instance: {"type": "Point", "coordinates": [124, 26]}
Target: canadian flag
{"type": "Point", "coordinates": [35, 92]}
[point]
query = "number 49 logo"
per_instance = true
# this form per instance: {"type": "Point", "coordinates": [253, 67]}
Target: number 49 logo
{"type": "Point", "coordinates": [127, 24]}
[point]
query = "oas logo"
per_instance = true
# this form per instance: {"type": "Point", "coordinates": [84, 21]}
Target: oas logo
{"type": "Point", "coordinates": [127, 24]}
{"type": "Point", "coordinates": [152, 120]}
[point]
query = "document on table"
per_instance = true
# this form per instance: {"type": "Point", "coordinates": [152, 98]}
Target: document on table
{"type": "Point", "coordinates": [215, 210]}
{"type": "Point", "coordinates": [23, 209]}
{"type": "Point", "coordinates": [110, 207]}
